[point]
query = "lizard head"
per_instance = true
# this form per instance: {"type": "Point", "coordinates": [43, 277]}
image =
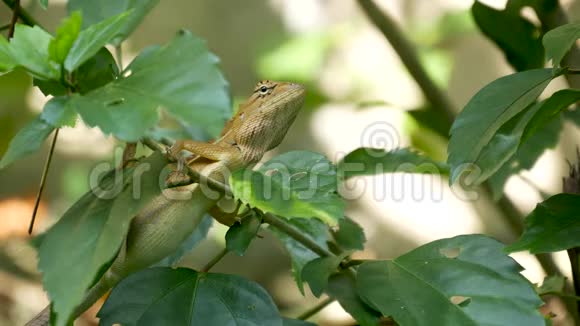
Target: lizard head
{"type": "Point", "coordinates": [277, 96]}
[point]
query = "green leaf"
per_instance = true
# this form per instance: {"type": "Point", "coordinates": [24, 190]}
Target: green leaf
{"type": "Point", "coordinates": [182, 76]}
{"type": "Point", "coordinates": [164, 296]}
{"type": "Point", "coordinates": [7, 63]}
{"type": "Point", "coordinates": [240, 235]}
{"type": "Point", "coordinates": [74, 251]}
{"type": "Point", "coordinates": [66, 34]}
{"type": "Point", "coordinates": [57, 113]}
{"type": "Point", "coordinates": [317, 271]}
{"type": "Point", "coordinates": [299, 254]}
{"type": "Point", "coordinates": [28, 140]}
{"type": "Point", "coordinates": [50, 87]}
{"type": "Point", "coordinates": [29, 49]}
{"type": "Point", "coordinates": [481, 285]}
{"type": "Point", "coordinates": [342, 286]}
{"type": "Point", "coordinates": [198, 234]}
{"type": "Point", "coordinates": [96, 72]}
{"type": "Point", "coordinates": [559, 40]}
{"type": "Point", "coordinates": [527, 155]}
{"type": "Point", "coordinates": [551, 284]}
{"type": "Point", "coordinates": [371, 161]}
{"type": "Point", "coordinates": [294, 184]}
{"type": "Point", "coordinates": [350, 236]}
{"type": "Point", "coordinates": [550, 109]}
{"type": "Point", "coordinates": [552, 226]}
{"type": "Point", "coordinates": [522, 45]}
{"type": "Point", "coordinates": [491, 108]}
{"type": "Point", "coordinates": [92, 39]}
{"type": "Point", "coordinates": [96, 11]}
{"type": "Point", "coordinates": [504, 143]}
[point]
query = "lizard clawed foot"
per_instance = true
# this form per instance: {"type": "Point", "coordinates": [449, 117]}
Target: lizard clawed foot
{"type": "Point", "coordinates": [179, 176]}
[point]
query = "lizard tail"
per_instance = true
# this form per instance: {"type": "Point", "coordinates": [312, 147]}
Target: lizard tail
{"type": "Point", "coordinates": [96, 292]}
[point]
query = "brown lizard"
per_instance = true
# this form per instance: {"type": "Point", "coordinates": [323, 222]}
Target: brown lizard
{"type": "Point", "coordinates": [259, 125]}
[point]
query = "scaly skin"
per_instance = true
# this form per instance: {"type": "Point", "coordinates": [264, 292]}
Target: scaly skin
{"type": "Point", "coordinates": [159, 229]}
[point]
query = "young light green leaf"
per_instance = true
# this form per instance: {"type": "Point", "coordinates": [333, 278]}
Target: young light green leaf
{"type": "Point", "coordinates": [552, 226]}
{"type": "Point", "coordinates": [58, 113]}
{"type": "Point", "coordinates": [240, 235]}
{"type": "Point", "coordinates": [491, 108]}
{"type": "Point", "coordinates": [29, 49]}
{"type": "Point", "coordinates": [66, 34]}
{"type": "Point", "coordinates": [27, 140]}
{"type": "Point", "coordinates": [7, 63]}
{"type": "Point", "coordinates": [96, 11]}
{"type": "Point", "coordinates": [559, 40]}
{"type": "Point", "coordinates": [317, 271]}
{"type": "Point", "coordinates": [486, 287]}
{"type": "Point", "coordinates": [342, 286]}
{"type": "Point", "coordinates": [44, 4]}
{"type": "Point", "coordinates": [522, 46]}
{"type": "Point", "coordinates": [299, 254]}
{"type": "Point", "coordinates": [92, 39]}
{"type": "Point", "coordinates": [74, 251]}
{"type": "Point", "coordinates": [294, 184]}
{"type": "Point", "coordinates": [370, 161]}
{"type": "Point", "coordinates": [350, 236]}
{"type": "Point", "coordinates": [165, 296]}
{"type": "Point", "coordinates": [197, 94]}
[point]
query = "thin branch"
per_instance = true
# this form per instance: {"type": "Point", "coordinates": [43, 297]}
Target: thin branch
{"type": "Point", "coordinates": [296, 234]}
{"type": "Point", "coordinates": [214, 260]}
{"type": "Point", "coordinates": [14, 19]}
{"type": "Point", "coordinates": [408, 55]}
{"type": "Point", "coordinates": [43, 181]}
{"type": "Point", "coordinates": [154, 146]}
{"type": "Point", "coordinates": [22, 14]}
{"type": "Point", "coordinates": [316, 309]}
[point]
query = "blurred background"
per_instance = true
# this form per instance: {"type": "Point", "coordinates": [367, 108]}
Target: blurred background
{"type": "Point", "coordinates": [359, 94]}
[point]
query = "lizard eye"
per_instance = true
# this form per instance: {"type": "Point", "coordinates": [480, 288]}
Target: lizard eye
{"type": "Point", "coordinates": [264, 90]}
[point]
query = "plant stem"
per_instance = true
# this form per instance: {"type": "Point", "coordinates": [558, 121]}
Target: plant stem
{"type": "Point", "coordinates": [14, 19]}
{"type": "Point", "coordinates": [214, 260]}
{"type": "Point", "coordinates": [408, 55]}
{"type": "Point", "coordinates": [43, 180]}
{"type": "Point", "coordinates": [316, 309]}
{"type": "Point", "coordinates": [296, 234]}
{"type": "Point", "coordinates": [22, 14]}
